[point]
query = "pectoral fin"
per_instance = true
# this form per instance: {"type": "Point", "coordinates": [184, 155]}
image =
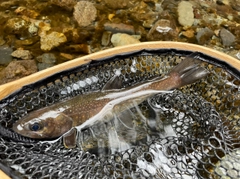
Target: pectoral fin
{"type": "Point", "coordinates": [126, 117]}
{"type": "Point", "coordinates": [69, 139]}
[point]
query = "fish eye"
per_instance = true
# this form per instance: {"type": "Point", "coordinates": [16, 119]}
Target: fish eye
{"type": "Point", "coordinates": [35, 127]}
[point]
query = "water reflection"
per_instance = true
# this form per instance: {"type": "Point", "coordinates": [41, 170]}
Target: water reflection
{"type": "Point", "coordinates": [155, 118]}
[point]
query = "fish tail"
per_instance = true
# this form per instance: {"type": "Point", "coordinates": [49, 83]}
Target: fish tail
{"type": "Point", "coordinates": [189, 70]}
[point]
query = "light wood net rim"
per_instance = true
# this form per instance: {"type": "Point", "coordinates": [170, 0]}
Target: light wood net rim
{"type": "Point", "coordinates": [11, 87]}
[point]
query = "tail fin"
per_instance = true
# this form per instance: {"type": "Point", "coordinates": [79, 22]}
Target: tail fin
{"type": "Point", "coordinates": [190, 70]}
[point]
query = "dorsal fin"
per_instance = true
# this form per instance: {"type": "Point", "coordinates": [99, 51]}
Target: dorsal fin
{"type": "Point", "coordinates": [114, 83]}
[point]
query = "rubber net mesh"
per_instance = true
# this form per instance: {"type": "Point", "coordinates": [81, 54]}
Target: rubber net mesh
{"type": "Point", "coordinates": [193, 132]}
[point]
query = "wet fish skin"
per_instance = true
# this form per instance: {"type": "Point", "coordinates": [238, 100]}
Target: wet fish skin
{"type": "Point", "coordinates": [83, 110]}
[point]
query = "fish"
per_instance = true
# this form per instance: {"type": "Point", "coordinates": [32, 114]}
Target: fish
{"type": "Point", "coordinates": [63, 118]}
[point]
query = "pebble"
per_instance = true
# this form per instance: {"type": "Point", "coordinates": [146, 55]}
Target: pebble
{"type": "Point", "coordinates": [26, 42]}
{"type": "Point", "coordinates": [120, 39]}
{"type": "Point", "coordinates": [235, 5]}
{"type": "Point", "coordinates": [51, 40]}
{"type": "Point", "coordinates": [119, 28]}
{"type": "Point", "coordinates": [42, 66]}
{"type": "Point", "coordinates": [118, 4]}
{"type": "Point", "coordinates": [223, 2]}
{"type": "Point", "coordinates": [17, 26]}
{"type": "Point", "coordinates": [66, 4]}
{"type": "Point", "coordinates": [43, 28]}
{"type": "Point", "coordinates": [185, 14]}
{"type": "Point", "coordinates": [227, 37]}
{"type": "Point", "coordinates": [84, 13]}
{"type": "Point", "coordinates": [78, 48]}
{"type": "Point", "coordinates": [17, 69]}
{"type": "Point", "coordinates": [49, 58]}
{"type": "Point", "coordinates": [106, 38]}
{"type": "Point", "coordinates": [204, 35]}
{"type": "Point", "coordinates": [2, 41]}
{"type": "Point", "coordinates": [67, 56]}
{"type": "Point", "coordinates": [5, 57]}
{"type": "Point", "coordinates": [213, 19]}
{"type": "Point", "coordinates": [188, 33]}
{"type": "Point", "coordinates": [163, 29]}
{"type": "Point", "coordinates": [145, 14]}
{"type": "Point", "coordinates": [26, 12]}
{"type": "Point", "coordinates": [32, 29]}
{"type": "Point", "coordinates": [22, 54]}
{"type": "Point", "coordinates": [73, 35]}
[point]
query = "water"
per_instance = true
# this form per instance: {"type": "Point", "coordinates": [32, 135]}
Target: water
{"type": "Point", "coordinates": [131, 127]}
{"type": "Point", "coordinates": [111, 136]}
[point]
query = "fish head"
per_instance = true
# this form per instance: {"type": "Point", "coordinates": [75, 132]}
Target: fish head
{"type": "Point", "coordinates": [43, 124]}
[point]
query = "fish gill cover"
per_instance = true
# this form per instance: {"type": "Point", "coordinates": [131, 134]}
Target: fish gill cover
{"type": "Point", "coordinates": [194, 132]}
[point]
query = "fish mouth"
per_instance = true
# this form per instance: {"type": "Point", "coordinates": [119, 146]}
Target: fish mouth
{"type": "Point", "coordinates": [17, 127]}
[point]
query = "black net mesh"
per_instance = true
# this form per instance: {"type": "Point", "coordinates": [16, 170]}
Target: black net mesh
{"type": "Point", "coordinates": [192, 132]}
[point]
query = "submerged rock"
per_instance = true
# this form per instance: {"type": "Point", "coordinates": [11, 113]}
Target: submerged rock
{"type": "Point", "coordinates": [5, 57]}
{"type": "Point", "coordinates": [185, 14]}
{"type": "Point", "coordinates": [22, 54]}
{"type": "Point", "coordinates": [106, 38]}
{"type": "Point", "coordinates": [42, 66]}
{"type": "Point", "coordinates": [123, 39]}
{"type": "Point", "coordinates": [66, 56]}
{"type": "Point", "coordinates": [204, 35]}
{"type": "Point", "coordinates": [235, 5]}
{"type": "Point", "coordinates": [188, 33]}
{"type": "Point", "coordinates": [17, 26]}
{"type": "Point", "coordinates": [222, 2]}
{"type": "Point", "coordinates": [144, 13]}
{"type": "Point", "coordinates": [26, 12]}
{"type": "Point", "coordinates": [119, 28]}
{"type": "Point", "coordinates": [17, 69]}
{"type": "Point", "coordinates": [43, 28]}
{"type": "Point", "coordinates": [27, 42]}
{"type": "Point", "coordinates": [77, 48]}
{"type": "Point", "coordinates": [227, 37]}
{"type": "Point", "coordinates": [49, 58]}
{"type": "Point", "coordinates": [2, 41]}
{"type": "Point", "coordinates": [51, 40]}
{"type": "Point", "coordinates": [84, 13]}
{"type": "Point", "coordinates": [118, 4]}
{"type": "Point", "coordinates": [32, 29]}
{"type": "Point", "coordinates": [46, 60]}
{"type": "Point", "coordinates": [66, 4]}
{"type": "Point", "coordinates": [163, 29]}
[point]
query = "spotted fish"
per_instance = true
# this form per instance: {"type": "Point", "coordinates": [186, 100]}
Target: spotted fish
{"type": "Point", "coordinates": [84, 110]}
